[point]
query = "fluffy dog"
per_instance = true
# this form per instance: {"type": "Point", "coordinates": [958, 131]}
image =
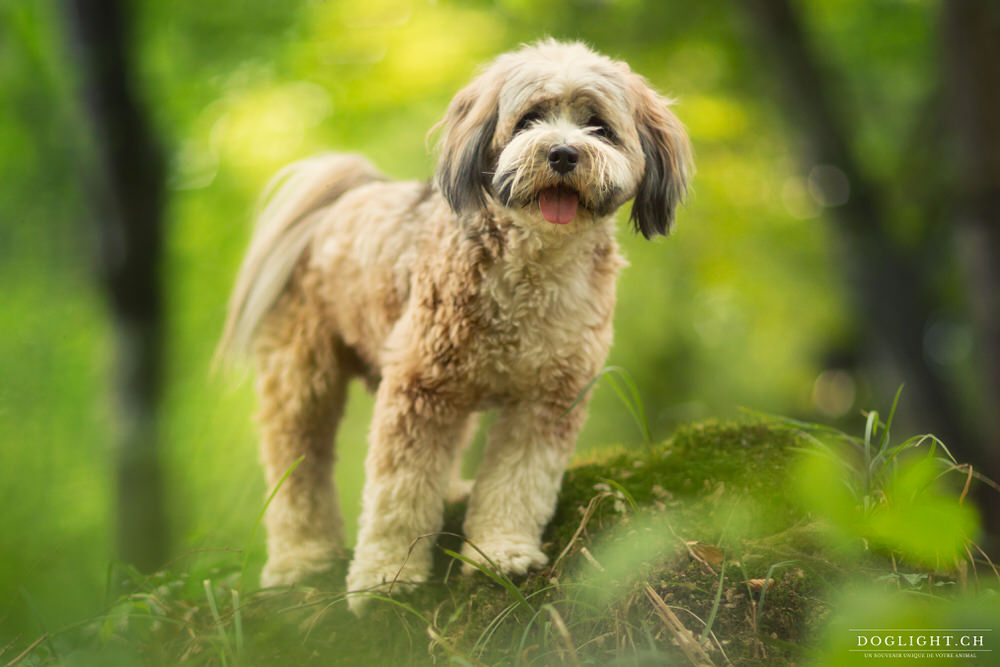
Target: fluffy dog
{"type": "Point", "coordinates": [491, 288]}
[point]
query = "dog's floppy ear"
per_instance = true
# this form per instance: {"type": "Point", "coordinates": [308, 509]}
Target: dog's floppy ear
{"type": "Point", "coordinates": [667, 150]}
{"type": "Point", "coordinates": [465, 163]}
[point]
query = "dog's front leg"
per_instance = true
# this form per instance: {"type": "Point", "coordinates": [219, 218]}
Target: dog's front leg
{"type": "Point", "coordinates": [515, 492]}
{"type": "Point", "coordinates": [416, 432]}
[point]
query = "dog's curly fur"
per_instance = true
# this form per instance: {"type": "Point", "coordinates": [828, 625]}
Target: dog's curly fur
{"type": "Point", "coordinates": [449, 299]}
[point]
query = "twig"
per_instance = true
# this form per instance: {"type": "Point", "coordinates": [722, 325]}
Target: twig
{"type": "Point", "coordinates": [968, 481]}
{"type": "Point", "coordinates": [9, 644]}
{"type": "Point", "coordinates": [25, 652]}
{"type": "Point", "coordinates": [560, 625]}
{"type": "Point", "coordinates": [990, 562]}
{"type": "Point", "coordinates": [711, 635]}
{"type": "Point", "coordinates": [685, 640]}
{"type": "Point", "coordinates": [585, 552]}
{"type": "Point", "coordinates": [587, 514]}
{"type": "Point", "coordinates": [691, 551]}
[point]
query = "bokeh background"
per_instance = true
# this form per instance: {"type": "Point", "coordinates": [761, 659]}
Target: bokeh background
{"type": "Point", "coordinates": [832, 248]}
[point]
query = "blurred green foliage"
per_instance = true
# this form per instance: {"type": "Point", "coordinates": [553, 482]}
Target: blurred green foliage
{"type": "Point", "coordinates": [705, 539]}
{"type": "Point", "coordinates": [739, 307]}
{"type": "Point", "coordinates": [914, 513]}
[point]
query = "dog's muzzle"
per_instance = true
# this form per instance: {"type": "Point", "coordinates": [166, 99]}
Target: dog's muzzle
{"type": "Point", "coordinates": [563, 159]}
{"type": "Point", "coordinates": [559, 204]}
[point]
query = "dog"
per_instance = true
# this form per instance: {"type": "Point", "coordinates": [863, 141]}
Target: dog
{"type": "Point", "coordinates": [490, 288]}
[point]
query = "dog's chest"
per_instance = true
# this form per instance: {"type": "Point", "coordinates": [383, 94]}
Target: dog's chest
{"type": "Point", "coordinates": [543, 322]}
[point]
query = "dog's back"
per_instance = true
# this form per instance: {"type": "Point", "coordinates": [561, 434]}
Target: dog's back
{"type": "Point", "coordinates": [287, 219]}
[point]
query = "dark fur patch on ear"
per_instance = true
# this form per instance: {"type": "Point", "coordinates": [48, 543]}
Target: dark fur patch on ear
{"type": "Point", "coordinates": [667, 151]}
{"type": "Point", "coordinates": [465, 180]}
{"type": "Point", "coordinates": [465, 164]}
{"type": "Point", "coordinates": [653, 208]}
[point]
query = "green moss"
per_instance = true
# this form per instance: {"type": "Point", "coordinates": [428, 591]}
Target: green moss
{"type": "Point", "coordinates": [731, 474]}
{"type": "Point", "coordinates": [666, 522]}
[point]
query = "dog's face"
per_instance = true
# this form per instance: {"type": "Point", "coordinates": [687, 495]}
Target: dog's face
{"type": "Point", "coordinates": [561, 136]}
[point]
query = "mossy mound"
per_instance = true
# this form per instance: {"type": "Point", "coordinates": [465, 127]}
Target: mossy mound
{"type": "Point", "coordinates": [672, 517]}
{"type": "Point", "coordinates": [692, 550]}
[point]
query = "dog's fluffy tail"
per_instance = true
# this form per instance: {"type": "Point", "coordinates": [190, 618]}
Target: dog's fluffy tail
{"type": "Point", "coordinates": [286, 221]}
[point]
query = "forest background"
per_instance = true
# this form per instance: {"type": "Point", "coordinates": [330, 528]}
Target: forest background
{"type": "Point", "coordinates": [841, 239]}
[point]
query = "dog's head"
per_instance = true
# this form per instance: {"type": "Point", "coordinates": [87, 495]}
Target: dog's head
{"type": "Point", "coordinates": [563, 136]}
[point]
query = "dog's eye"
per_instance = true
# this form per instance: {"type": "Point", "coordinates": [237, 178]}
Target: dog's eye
{"type": "Point", "coordinates": [600, 128]}
{"type": "Point", "coordinates": [526, 120]}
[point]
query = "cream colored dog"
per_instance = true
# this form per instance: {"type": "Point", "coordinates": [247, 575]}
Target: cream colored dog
{"type": "Point", "coordinates": [492, 288]}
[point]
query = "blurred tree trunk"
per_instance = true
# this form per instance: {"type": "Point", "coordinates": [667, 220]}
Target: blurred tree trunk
{"type": "Point", "coordinates": [972, 56]}
{"type": "Point", "coordinates": [890, 291]}
{"type": "Point", "coordinates": [127, 191]}
{"type": "Point", "coordinates": [972, 67]}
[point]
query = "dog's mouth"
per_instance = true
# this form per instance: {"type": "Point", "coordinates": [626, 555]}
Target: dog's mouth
{"type": "Point", "coordinates": [558, 204]}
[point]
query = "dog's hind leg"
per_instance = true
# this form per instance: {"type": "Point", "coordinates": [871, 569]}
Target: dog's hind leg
{"type": "Point", "coordinates": [301, 387]}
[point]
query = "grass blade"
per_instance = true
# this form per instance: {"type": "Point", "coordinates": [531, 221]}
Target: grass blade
{"type": "Point", "coordinates": [639, 411]}
{"type": "Point", "coordinates": [888, 422]}
{"type": "Point", "coordinates": [763, 590]}
{"type": "Point", "coordinates": [218, 621]}
{"type": "Point", "coordinates": [402, 605]}
{"type": "Point", "coordinates": [525, 631]}
{"type": "Point", "coordinates": [238, 621]}
{"type": "Point", "coordinates": [715, 605]}
{"type": "Point", "coordinates": [495, 574]}
{"type": "Point", "coordinates": [622, 490]}
{"type": "Point", "coordinates": [631, 399]}
{"type": "Point", "coordinates": [260, 517]}
{"type": "Point", "coordinates": [487, 634]}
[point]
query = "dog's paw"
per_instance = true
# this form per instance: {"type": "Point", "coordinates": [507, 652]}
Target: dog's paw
{"type": "Point", "coordinates": [369, 579]}
{"type": "Point", "coordinates": [299, 565]}
{"type": "Point", "coordinates": [511, 556]}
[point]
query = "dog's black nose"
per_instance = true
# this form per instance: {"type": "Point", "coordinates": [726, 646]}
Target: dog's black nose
{"type": "Point", "coordinates": [563, 158]}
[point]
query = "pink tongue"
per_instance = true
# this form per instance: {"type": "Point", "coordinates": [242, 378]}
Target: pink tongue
{"type": "Point", "coordinates": [558, 204]}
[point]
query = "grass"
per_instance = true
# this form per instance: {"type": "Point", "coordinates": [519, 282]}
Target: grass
{"type": "Point", "coordinates": [699, 550]}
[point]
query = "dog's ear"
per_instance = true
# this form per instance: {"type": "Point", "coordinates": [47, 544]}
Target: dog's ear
{"type": "Point", "coordinates": [667, 151]}
{"type": "Point", "coordinates": [465, 163]}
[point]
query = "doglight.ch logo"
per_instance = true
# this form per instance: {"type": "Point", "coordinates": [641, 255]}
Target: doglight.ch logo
{"type": "Point", "coordinates": [968, 643]}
